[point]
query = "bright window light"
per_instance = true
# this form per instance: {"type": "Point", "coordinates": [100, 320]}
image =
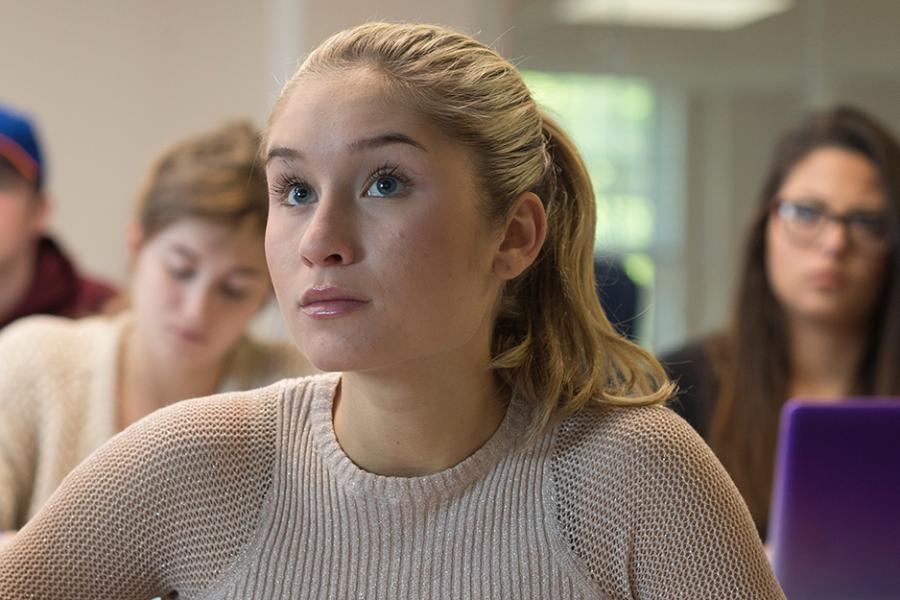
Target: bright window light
{"type": "Point", "coordinates": [686, 14]}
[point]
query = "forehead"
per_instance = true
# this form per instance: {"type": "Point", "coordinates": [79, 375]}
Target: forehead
{"type": "Point", "coordinates": [841, 178]}
{"type": "Point", "coordinates": [337, 107]}
{"type": "Point", "coordinates": [11, 178]}
{"type": "Point", "coordinates": [209, 239]}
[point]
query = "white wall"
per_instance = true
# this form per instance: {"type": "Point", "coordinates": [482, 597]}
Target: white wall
{"type": "Point", "coordinates": [113, 83]}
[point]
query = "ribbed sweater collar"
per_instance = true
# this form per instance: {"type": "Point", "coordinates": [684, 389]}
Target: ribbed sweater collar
{"type": "Point", "coordinates": [437, 486]}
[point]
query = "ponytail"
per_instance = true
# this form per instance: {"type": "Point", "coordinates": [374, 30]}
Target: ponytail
{"type": "Point", "coordinates": [552, 342]}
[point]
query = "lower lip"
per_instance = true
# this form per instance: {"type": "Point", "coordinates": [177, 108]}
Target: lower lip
{"type": "Point", "coordinates": [188, 337]}
{"type": "Point", "coordinates": [332, 309]}
{"type": "Point", "coordinates": [830, 282]}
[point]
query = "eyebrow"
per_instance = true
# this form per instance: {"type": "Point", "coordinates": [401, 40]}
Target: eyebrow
{"type": "Point", "coordinates": [284, 153]}
{"type": "Point", "coordinates": [377, 141]}
{"type": "Point", "coordinates": [240, 271]}
{"type": "Point", "coordinates": [385, 139]}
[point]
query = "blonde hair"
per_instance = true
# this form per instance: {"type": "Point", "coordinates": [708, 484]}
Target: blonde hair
{"type": "Point", "coordinates": [213, 176]}
{"type": "Point", "coordinates": [551, 343]}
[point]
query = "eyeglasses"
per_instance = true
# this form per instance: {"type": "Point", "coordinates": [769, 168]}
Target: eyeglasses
{"type": "Point", "coordinates": [805, 220]}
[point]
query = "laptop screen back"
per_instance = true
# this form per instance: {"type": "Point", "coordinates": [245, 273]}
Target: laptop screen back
{"type": "Point", "coordinates": [835, 519]}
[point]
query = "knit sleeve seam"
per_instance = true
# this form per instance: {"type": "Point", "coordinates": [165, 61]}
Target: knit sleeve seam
{"type": "Point", "coordinates": [255, 541]}
{"type": "Point", "coordinates": [568, 560]}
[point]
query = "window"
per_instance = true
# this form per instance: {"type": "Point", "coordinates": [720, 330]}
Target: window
{"type": "Point", "coordinates": [613, 122]}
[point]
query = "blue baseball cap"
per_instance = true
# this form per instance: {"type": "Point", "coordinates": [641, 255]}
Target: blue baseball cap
{"type": "Point", "coordinates": [20, 147]}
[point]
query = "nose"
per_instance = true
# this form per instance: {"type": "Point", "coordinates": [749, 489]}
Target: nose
{"type": "Point", "coordinates": [196, 304]}
{"type": "Point", "coordinates": [835, 238]}
{"type": "Point", "coordinates": [329, 237]}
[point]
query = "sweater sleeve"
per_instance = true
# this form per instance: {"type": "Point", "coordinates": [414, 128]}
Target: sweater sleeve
{"type": "Point", "coordinates": [165, 507]}
{"type": "Point", "coordinates": [20, 362]}
{"type": "Point", "coordinates": [650, 513]}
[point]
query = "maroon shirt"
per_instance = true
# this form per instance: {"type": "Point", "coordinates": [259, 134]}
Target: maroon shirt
{"type": "Point", "coordinates": [58, 289]}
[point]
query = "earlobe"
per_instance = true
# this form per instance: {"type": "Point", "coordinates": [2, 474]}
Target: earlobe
{"type": "Point", "coordinates": [135, 239]}
{"type": "Point", "coordinates": [523, 237]}
{"type": "Point", "coordinates": [41, 214]}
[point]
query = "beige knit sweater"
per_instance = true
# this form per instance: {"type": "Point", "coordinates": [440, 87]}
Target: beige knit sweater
{"type": "Point", "coordinates": [58, 403]}
{"type": "Point", "coordinates": [249, 496]}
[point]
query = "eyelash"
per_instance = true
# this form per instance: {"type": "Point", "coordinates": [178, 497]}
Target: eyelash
{"type": "Point", "coordinates": [388, 170]}
{"type": "Point", "coordinates": [285, 183]}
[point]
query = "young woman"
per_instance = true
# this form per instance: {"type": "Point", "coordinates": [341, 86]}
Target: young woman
{"type": "Point", "coordinates": [198, 276]}
{"type": "Point", "coordinates": [817, 309]}
{"type": "Point", "coordinates": [430, 235]}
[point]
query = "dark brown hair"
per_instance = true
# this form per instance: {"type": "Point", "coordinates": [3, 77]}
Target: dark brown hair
{"type": "Point", "coordinates": [754, 362]}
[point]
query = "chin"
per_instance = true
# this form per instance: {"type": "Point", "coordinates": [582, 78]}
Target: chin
{"type": "Point", "coordinates": [338, 362]}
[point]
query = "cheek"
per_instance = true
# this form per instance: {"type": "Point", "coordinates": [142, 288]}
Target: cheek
{"type": "Point", "coordinates": [869, 276]}
{"type": "Point", "coordinates": [280, 252]}
{"type": "Point", "coordinates": [444, 272]}
{"type": "Point", "coordinates": [233, 319]}
{"type": "Point", "coordinates": [152, 288]}
{"type": "Point", "coordinates": [780, 261]}
{"type": "Point", "coordinates": [13, 216]}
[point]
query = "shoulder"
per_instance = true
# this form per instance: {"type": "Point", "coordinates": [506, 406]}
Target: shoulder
{"type": "Point", "coordinates": [46, 327]}
{"type": "Point", "coordinates": [210, 419]}
{"type": "Point", "coordinates": [41, 340]}
{"type": "Point", "coordinates": [35, 327]}
{"type": "Point", "coordinates": [238, 417]}
{"type": "Point", "coordinates": [195, 475]}
{"type": "Point", "coordinates": [631, 441]}
{"type": "Point", "coordinates": [198, 446]}
{"type": "Point", "coordinates": [644, 505]}
{"type": "Point", "coordinates": [616, 460]}
{"type": "Point", "coordinates": [648, 450]}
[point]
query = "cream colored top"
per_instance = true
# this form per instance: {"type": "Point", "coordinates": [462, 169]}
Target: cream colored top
{"type": "Point", "coordinates": [58, 398]}
{"type": "Point", "coordinates": [250, 496]}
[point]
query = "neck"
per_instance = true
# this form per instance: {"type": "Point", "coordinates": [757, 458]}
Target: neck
{"type": "Point", "coordinates": [149, 382]}
{"type": "Point", "coordinates": [15, 278]}
{"type": "Point", "coordinates": [416, 423]}
{"type": "Point", "coordinates": [825, 359]}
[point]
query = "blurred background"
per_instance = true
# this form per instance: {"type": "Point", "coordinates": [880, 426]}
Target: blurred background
{"type": "Point", "coordinates": [674, 103]}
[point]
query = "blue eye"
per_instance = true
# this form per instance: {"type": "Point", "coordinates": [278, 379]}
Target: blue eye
{"type": "Point", "coordinates": [384, 187]}
{"type": "Point", "coordinates": [299, 194]}
{"type": "Point", "coordinates": [801, 213]}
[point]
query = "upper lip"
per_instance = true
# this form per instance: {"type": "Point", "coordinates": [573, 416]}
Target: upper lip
{"type": "Point", "coordinates": [326, 293]}
{"type": "Point", "coordinates": [190, 333]}
{"type": "Point", "coordinates": [827, 274]}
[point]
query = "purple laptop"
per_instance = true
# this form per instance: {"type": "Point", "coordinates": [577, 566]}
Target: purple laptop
{"type": "Point", "coordinates": [834, 529]}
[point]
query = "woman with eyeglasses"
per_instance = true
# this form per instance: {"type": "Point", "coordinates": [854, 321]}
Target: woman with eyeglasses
{"type": "Point", "coordinates": [818, 306]}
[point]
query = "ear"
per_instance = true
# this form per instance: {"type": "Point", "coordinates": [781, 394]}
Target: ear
{"type": "Point", "coordinates": [135, 240]}
{"type": "Point", "coordinates": [41, 216]}
{"type": "Point", "coordinates": [523, 237]}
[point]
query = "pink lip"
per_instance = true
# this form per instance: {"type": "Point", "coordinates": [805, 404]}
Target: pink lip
{"type": "Point", "coordinates": [827, 279]}
{"type": "Point", "coordinates": [322, 302]}
{"type": "Point", "coordinates": [189, 335]}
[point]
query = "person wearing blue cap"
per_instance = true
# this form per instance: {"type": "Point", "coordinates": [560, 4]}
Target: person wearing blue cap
{"type": "Point", "coordinates": [36, 276]}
